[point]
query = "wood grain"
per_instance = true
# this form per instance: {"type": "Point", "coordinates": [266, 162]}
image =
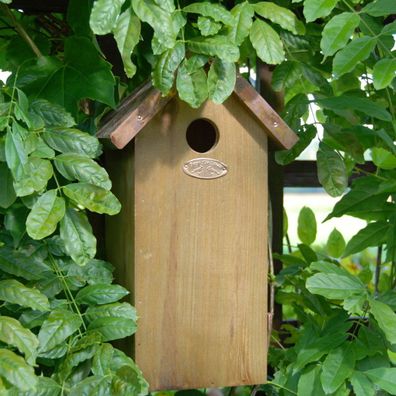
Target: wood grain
{"type": "Point", "coordinates": [200, 278]}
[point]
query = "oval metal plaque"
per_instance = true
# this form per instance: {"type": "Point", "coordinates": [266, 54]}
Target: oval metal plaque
{"type": "Point", "coordinates": [205, 168]}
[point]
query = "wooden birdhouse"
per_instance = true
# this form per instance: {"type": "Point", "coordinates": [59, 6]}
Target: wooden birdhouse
{"type": "Point", "coordinates": [191, 241]}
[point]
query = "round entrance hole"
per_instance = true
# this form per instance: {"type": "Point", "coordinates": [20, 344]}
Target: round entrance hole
{"type": "Point", "coordinates": [202, 135]}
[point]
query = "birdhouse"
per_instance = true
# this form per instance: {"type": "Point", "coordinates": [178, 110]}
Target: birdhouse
{"type": "Point", "coordinates": [191, 241]}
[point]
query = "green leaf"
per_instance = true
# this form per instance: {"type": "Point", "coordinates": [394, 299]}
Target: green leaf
{"type": "Point", "coordinates": [15, 292]}
{"type": "Point", "coordinates": [94, 271]}
{"type": "Point", "coordinates": [92, 385]}
{"type": "Point", "coordinates": [129, 380]}
{"type": "Point", "coordinates": [385, 318]}
{"type": "Point", "coordinates": [335, 244]}
{"type": "Point", "coordinates": [113, 328]}
{"type": "Point", "coordinates": [314, 9]}
{"type": "Point", "coordinates": [76, 234]}
{"type": "Point", "coordinates": [59, 325]}
{"type": "Point", "coordinates": [335, 286]}
{"type": "Point", "coordinates": [166, 66]}
{"type": "Point", "coordinates": [373, 234]}
{"type": "Point", "coordinates": [207, 26]}
{"type": "Point", "coordinates": [384, 378]}
{"type": "Point", "coordinates": [382, 158]}
{"type": "Point", "coordinates": [127, 35]}
{"type": "Point", "coordinates": [309, 382]}
{"type": "Point", "coordinates": [7, 192]}
{"type": "Point", "coordinates": [13, 333]}
{"type": "Point", "coordinates": [100, 294]}
{"type": "Point", "coordinates": [15, 152]}
{"type": "Point", "coordinates": [102, 359]}
{"type": "Point", "coordinates": [337, 367]}
{"type": "Point", "coordinates": [338, 31]}
{"type": "Point", "coordinates": [44, 387]}
{"type": "Point", "coordinates": [15, 370]}
{"type": "Point", "coordinates": [94, 198]}
{"type": "Point", "coordinates": [332, 173]}
{"type": "Point", "coordinates": [167, 5]}
{"type": "Point", "coordinates": [45, 215]}
{"type": "Point", "coordinates": [159, 19]}
{"type": "Point", "coordinates": [215, 11]}
{"type": "Point", "coordinates": [104, 15]}
{"type": "Point", "coordinates": [33, 177]}
{"type": "Point", "coordinates": [192, 87]}
{"type": "Point", "coordinates": [267, 43]}
{"type": "Point", "coordinates": [243, 16]}
{"type": "Point", "coordinates": [306, 226]}
{"type": "Point", "coordinates": [366, 106]}
{"type": "Point", "coordinates": [384, 72]}
{"type": "Point", "coordinates": [53, 115]}
{"type": "Point", "coordinates": [67, 140]}
{"type": "Point", "coordinates": [380, 8]}
{"type": "Point", "coordinates": [117, 310]}
{"type": "Point", "coordinates": [221, 80]}
{"type": "Point", "coordinates": [389, 29]}
{"type": "Point", "coordinates": [79, 167]}
{"type": "Point", "coordinates": [219, 46]}
{"type": "Point", "coordinates": [285, 75]}
{"type": "Point", "coordinates": [280, 15]}
{"type": "Point", "coordinates": [362, 386]}
{"type": "Point", "coordinates": [356, 51]}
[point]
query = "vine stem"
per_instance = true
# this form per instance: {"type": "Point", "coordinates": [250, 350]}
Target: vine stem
{"type": "Point", "coordinates": [22, 32]}
{"type": "Point", "coordinates": [378, 270]}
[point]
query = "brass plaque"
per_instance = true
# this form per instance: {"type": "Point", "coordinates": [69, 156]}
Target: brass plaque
{"type": "Point", "coordinates": [205, 168]}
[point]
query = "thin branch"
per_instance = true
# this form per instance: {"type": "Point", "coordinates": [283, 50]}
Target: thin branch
{"type": "Point", "coordinates": [378, 270]}
{"type": "Point", "coordinates": [21, 31]}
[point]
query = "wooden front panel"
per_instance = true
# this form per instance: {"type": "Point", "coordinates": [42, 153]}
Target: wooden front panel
{"type": "Point", "coordinates": [201, 253]}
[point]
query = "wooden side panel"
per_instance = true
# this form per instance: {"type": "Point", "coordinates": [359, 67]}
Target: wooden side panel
{"type": "Point", "coordinates": [201, 252]}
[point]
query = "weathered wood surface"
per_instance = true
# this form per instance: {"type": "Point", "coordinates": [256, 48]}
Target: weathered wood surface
{"type": "Point", "coordinates": [200, 279]}
{"type": "Point", "coordinates": [277, 129]}
{"type": "Point", "coordinates": [143, 105]}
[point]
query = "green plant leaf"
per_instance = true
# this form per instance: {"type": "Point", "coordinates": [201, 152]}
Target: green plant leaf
{"type": "Point", "coordinates": [79, 167]}
{"type": "Point", "coordinates": [15, 370]}
{"type": "Point", "coordinates": [76, 234]}
{"type": "Point", "coordinates": [113, 328]}
{"type": "Point", "coordinates": [192, 87]}
{"type": "Point", "coordinates": [337, 367]}
{"type": "Point", "coordinates": [118, 310]}
{"type": "Point", "coordinates": [383, 158]}
{"type": "Point", "coordinates": [354, 52]}
{"type": "Point", "coordinates": [362, 386]}
{"type": "Point", "coordinates": [68, 140]}
{"type": "Point", "coordinates": [59, 325]}
{"type": "Point", "coordinates": [366, 106]}
{"type": "Point", "coordinates": [219, 46]}
{"type": "Point", "coordinates": [15, 152]}
{"type": "Point", "coordinates": [45, 215]}
{"type": "Point", "coordinates": [45, 386]}
{"type": "Point", "coordinates": [335, 243]}
{"type": "Point", "coordinates": [306, 226]}
{"type": "Point", "coordinates": [13, 333]}
{"type": "Point", "coordinates": [332, 173]}
{"type": "Point", "coordinates": [243, 16]}
{"type": "Point", "coordinates": [221, 80]}
{"type": "Point", "coordinates": [94, 271]}
{"type": "Point", "coordinates": [100, 294]}
{"type": "Point", "coordinates": [127, 35]}
{"type": "Point", "coordinates": [374, 234]}
{"type": "Point", "coordinates": [92, 385]}
{"type": "Point", "coordinates": [384, 72]}
{"type": "Point", "coordinates": [314, 9]}
{"type": "Point", "coordinates": [53, 115]}
{"type": "Point", "coordinates": [15, 292]}
{"type": "Point", "coordinates": [309, 382]}
{"type": "Point", "coordinates": [279, 15]}
{"type": "Point", "coordinates": [102, 359]}
{"type": "Point", "coordinates": [338, 31]}
{"type": "Point", "coordinates": [129, 380]}
{"type": "Point", "coordinates": [7, 192]}
{"type": "Point", "coordinates": [384, 378]}
{"type": "Point", "coordinates": [164, 72]}
{"type": "Point", "coordinates": [335, 286]}
{"type": "Point", "coordinates": [104, 15]}
{"type": "Point", "coordinates": [267, 43]}
{"type": "Point", "coordinates": [215, 11]}
{"type": "Point", "coordinates": [207, 26]}
{"type": "Point", "coordinates": [285, 75]}
{"type": "Point", "coordinates": [385, 318]}
{"type": "Point", "coordinates": [158, 18]}
{"type": "Point", "coordinates": [167, 5]}
{"type": "Point", "coordinates": [94, 198]}
{"type": "Point", "coordinates": [380, 8]}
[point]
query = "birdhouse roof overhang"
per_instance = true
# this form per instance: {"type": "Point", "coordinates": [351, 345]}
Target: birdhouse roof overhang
{"type": "Point", "coordinates": [136, 111]}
